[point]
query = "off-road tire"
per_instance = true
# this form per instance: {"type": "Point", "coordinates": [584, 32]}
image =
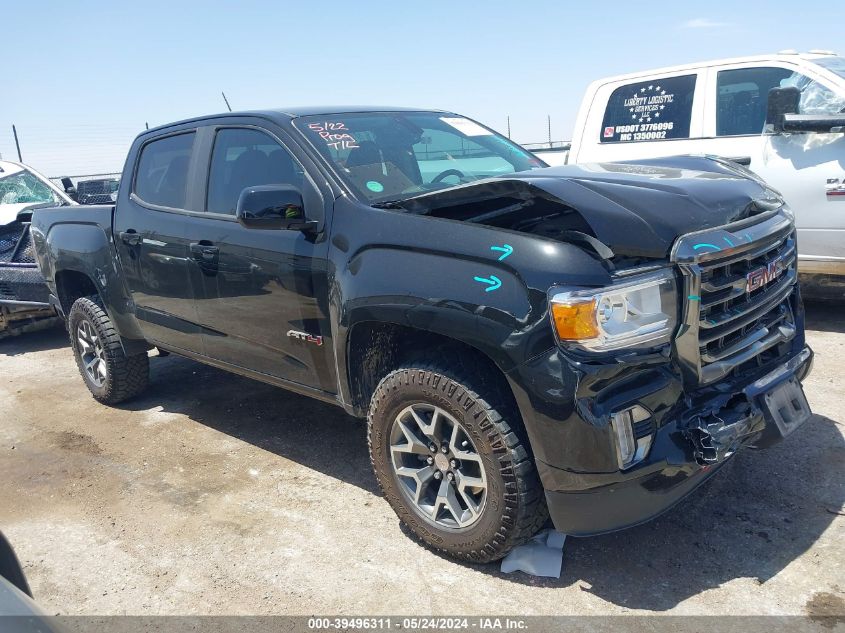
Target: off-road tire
{"type": "Point", "coordinates": [515, 509]}
{"type": "Point", "coordinates": [126, 376]}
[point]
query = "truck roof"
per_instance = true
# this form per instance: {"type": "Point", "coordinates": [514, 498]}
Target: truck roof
{"type": "Point", "coordinates": [292, 113]}
{"type": "Point", "coordinates": [783, 56]}
{"type": "Point", "coordinates": [10, 167]}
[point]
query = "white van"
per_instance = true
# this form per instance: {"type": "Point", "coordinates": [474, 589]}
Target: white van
{"type": "Point", "coordinates": [792, 136]}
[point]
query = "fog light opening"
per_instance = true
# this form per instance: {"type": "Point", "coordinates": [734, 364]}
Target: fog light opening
{"type": "Point", "coordinates": [633, 433]}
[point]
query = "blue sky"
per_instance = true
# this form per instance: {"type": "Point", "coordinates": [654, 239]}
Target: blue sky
{"type": "Point", "coordinates": [81, 79]}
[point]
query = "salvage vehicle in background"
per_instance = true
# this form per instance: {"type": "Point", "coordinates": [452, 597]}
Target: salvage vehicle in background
{"type": "Point", "coordinates": [97, 191]}
{"type": "Point", "coordinates": [782, 116]}
{"type": "Point", "coordinates": [24, 302]}
{"type": "Point", "coordinates": [589, 341]}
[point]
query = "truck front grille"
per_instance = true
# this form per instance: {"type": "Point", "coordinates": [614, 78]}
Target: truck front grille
{"type": "Point", "coordinates": [738, 280]}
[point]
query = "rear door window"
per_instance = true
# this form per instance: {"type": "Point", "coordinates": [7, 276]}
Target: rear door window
{"type": "Point", "coordinates": [162, 175]}
{"type": "Point", "coordinates": [652, 110]}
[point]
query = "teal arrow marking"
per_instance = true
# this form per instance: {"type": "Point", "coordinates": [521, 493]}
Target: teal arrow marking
{"type": "Point", "coordinates": [506, 249]}
{"type": "Point", "coordinates": [697, 246]}
{"type": "Point", "coordinates": [493, 282]}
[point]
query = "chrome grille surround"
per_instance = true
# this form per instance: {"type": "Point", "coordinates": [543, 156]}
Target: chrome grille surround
{"type": "Point", "coordinates": [724, 322]}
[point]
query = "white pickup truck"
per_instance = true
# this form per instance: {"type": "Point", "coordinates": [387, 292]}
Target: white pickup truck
{"type": "Point", "coordinates": [782, 116]}
{"type": "Point", "coordinates": [24, 295]}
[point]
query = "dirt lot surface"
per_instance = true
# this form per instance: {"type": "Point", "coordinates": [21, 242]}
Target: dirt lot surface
{"type": "Point", "coordinates": [213, 494]}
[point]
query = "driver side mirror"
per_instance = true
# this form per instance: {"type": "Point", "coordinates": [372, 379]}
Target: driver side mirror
{"type": "Point", "coordinates": [273, 207]}
{"type": "Point", "coordinates": [781, 101]}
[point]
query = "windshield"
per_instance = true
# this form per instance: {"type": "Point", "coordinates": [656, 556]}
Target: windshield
{"type": "Point", "coordinates": [833, 64]}
{"type": "Point", "coordinates": [395, 155]}
{"type": "Point", "coordinates": [24, 187]}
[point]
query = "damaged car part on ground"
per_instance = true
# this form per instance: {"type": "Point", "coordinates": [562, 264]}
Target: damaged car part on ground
{"type": "Point", "coordinates": [24, 297]}
{"type": "Point", "coordinates": [593, 341]}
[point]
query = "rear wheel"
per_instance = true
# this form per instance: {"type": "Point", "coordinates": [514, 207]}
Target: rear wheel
{"type": "Point", "coordinates": [451, 466]}
{"type": "Point", "coordinates": [110, 375]}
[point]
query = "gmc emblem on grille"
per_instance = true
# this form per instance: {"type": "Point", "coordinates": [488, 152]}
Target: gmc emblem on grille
{"type": "Point", "coordinates": [763, 275]}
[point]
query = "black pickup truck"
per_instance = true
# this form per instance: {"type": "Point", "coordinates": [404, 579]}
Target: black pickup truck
{"type": "Point", "coordinates": [588, 341]}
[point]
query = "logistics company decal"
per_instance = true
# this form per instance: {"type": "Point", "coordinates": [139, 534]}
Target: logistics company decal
{"type": "Point", "coordinates": [649, 111]}
{"type": "Point", "coordinates": [646, 107]}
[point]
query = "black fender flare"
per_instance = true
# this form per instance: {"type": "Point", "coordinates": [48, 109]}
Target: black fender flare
{"type": "Point", "coordinates": [94, 257]}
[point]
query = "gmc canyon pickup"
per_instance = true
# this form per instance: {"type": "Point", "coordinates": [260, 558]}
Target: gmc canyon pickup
{"type": "Point", "coordinates": [590, 342]}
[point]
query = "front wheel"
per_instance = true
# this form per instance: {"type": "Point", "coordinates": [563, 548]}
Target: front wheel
{"type": "Point", "coordinates": [451, 466]}
{"type": "Point", "coordinates": [110, 375]}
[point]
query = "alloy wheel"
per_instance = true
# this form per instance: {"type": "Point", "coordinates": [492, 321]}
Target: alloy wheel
{"type": "Point", "coordinates": [437, 466]}
{"type": "Point", "coordinates": [92, 353]}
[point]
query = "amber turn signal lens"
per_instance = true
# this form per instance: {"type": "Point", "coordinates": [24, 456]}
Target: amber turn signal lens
{"type": "Point", "coordinates": [575, 322]}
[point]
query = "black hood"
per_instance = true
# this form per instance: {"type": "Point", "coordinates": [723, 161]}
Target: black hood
{"type": "Point", "coordinates": [636, 209]}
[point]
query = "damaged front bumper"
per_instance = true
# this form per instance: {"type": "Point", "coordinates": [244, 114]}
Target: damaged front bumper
{"type": "Point", "coordinates": [690, 437]}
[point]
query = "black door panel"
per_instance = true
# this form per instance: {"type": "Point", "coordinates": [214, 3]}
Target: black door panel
{"type": "Point", "coordinates": [257, 290]}
{"type": "Point", "coordinates": [153, 247]}
{"type": "Point", "coordinates": [263, 284]}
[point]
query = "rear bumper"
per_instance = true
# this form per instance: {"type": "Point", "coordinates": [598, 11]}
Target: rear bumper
{"type": "Point", "coordinates": [587, 493]}
{"type": "Point", "coordinates": [23, 284]}
{"type": "Point", "coordinates": [24, 300]}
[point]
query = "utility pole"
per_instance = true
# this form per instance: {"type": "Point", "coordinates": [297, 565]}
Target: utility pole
{"type": "Point", "coordinates": [17, 143]}
{"type": "Point", "coordinates": [509, 126]}
{"type": "Point", "coordinates": [226, 100]}
{"type": "Point", "coordinates": [549, 116]}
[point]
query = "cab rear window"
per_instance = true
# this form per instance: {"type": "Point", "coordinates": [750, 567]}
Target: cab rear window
{"type": "Point", "coordinates": [652, 110]}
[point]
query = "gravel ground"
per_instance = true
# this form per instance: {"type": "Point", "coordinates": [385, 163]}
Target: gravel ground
{"type": "Point", "coordinates": [214, 494]}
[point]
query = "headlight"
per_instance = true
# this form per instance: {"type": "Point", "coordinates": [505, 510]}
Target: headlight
{"type": "Point", "coordinates": [636, 311]}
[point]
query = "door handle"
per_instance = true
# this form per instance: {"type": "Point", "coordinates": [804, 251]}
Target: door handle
{"type": "Point", "coordinates": [130, 237]}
